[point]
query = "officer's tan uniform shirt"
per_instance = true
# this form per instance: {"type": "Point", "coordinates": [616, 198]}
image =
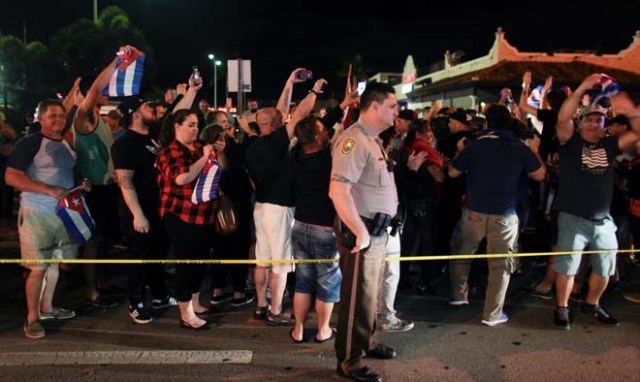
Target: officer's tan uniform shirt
{"type": "Point", "coordinates": [358, 156]}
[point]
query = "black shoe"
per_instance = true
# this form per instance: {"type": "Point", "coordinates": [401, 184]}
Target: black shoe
{"type": "Point", "coordinates": [104, 302]}
{"type": "Point", "coordinates": [561, 318]}
{"type": "Point", "coordinates": [216, 300]}
{"type": "Point", "coordinates": [206, 326]}
{"type": "Point", "coordinates": [140, 314]}
{"type": "Point", "coordinates": [542, 294]}
{"type": "Point", "coordinates": [242, 301]}
{"type": "Point", "coordinates": [365, 374]}
{"type": "Point", "coordinates": [166, 302]}
{"type": "Point", "coordinates": [599, 314]}
{"type": "Point", "coordinates": [382, 351]}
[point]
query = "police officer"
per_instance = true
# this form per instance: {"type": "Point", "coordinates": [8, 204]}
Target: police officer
{"type": "Point", "coordinates": [364, 194]}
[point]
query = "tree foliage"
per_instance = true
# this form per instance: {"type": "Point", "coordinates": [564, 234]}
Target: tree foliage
{"type": "Point", "coordinates": [82, 48]}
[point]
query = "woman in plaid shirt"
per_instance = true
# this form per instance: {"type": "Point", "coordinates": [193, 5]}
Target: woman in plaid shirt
{"type": "Point", "coordinates": [190, 226]}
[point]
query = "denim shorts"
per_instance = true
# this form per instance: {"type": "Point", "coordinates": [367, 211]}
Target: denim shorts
{"type": "Point", "coordinates": [576, 234]}
{"type": "Point", "coordinates": [312, 242]}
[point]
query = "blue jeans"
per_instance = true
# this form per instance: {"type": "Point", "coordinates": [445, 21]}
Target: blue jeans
{"type": "Point", "coordinates": [575, 234]}
{"type": "Point", "coordinates": [313, 242]}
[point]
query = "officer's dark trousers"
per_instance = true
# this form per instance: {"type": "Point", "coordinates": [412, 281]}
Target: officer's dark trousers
{"type": "Point", "coordinates": [361, 277]}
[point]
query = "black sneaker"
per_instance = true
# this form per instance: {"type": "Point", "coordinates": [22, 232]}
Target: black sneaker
{"type": "Point", "coordinates": [242, 301]}
{"type": "Point", "coordinates": [599, 314]}
{"type": "Point", "coordinates": [561, 318]}
{"type": "Point", "coordinates": [542, 294]}
{"type": "Point", "coordinates": [216, 300]}
{"type": "Point", "coordinates": [104, 302]}
{"type": "Point", "coordinates": [139, 314]}
{"type": "Point", "coordinates": [157, 303]}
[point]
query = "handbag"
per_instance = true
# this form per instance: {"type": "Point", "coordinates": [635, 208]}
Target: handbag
{"type": "Point", "coordinates": [226, 217]}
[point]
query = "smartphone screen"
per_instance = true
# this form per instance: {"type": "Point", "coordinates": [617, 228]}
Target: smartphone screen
{"type": "Point", "coordinates": [361, 86]}
{"type": "Point", "coordinates": [305, 75]}
{"type": "Point", "coordinates": [196, 76]}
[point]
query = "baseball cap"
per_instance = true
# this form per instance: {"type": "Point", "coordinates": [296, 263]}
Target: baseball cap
{"type": "Point", "coordinates": [406, 114]}
{"type": "Point", "coordinates": [127, 107]}
{"type": "Point", "coordinates": [461, 116]}
{"type": "Point", "coordinates": [593, 109]}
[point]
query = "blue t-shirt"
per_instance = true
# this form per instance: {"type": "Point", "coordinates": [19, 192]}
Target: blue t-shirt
{"type": "Point", "coordinates": [47, 161]}
{"type": "Point", "coordinates": [494, 163]}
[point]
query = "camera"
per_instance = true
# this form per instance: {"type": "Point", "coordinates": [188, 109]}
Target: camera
{"type": "Point", "coordinates": [304, 75]}
{"type": "Point", "coordinates": [196, 76]}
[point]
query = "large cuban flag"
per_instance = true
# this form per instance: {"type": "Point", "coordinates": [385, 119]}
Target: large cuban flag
{"type": "Point", "coordinates": [76, 217]}
{"type": "Point", "coordinates": [206, 188]}
{"type": "Point", "coordinates": [127, 78]}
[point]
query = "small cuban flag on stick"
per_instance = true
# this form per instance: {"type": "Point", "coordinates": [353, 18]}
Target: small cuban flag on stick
{"type": "Point", "coordinates": [206, 188]}
{"type": "Point", "coordinates": [127, 78]}
{"type": "Point", "coordinates": [75, 216]}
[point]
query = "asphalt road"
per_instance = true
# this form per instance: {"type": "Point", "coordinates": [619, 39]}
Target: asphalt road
{"type": "Point", "coordinates": [447, 344]}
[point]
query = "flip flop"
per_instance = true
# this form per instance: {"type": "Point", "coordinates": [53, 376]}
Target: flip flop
{"type": "Point", "coordinates": [293, 339]}
{"type": "Point", "coordinates": [332, 336]}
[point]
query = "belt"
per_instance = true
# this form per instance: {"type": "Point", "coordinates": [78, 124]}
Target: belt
{"type": "Point", "coordinates": [376, 228]}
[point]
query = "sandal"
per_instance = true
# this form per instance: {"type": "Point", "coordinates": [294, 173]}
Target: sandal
{"type": "Point", "coordinates": [293, 338]}
{"type": "Point", "coordinates": [332, 336]}
{"type": "Point", "coordinates": [260, 313]}
{"type": "Point", "coordinates": [282, 319]}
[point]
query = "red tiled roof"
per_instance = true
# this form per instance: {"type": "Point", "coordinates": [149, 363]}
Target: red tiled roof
{"type": "Point", "coordinates": [509, 73]}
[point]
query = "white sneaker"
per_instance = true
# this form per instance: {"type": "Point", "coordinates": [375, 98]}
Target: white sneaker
{"type": "Point", "coordinates": [503, 318]}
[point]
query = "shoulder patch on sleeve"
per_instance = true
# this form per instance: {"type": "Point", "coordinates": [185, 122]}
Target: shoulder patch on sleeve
{"type": "Point", "coordinates": [347, 146]}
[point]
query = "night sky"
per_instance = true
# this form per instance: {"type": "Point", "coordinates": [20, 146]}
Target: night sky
{"type": "Point", "coordinates": [281, 35]}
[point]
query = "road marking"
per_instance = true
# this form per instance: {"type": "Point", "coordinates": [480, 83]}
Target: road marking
{"type": "Point", "coordinates": [166, 357]}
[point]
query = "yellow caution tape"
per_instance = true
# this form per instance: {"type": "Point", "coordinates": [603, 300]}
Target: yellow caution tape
{"type": "Point", "coordinates": [306, 261]}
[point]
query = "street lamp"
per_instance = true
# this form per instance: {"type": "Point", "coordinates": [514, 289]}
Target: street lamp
{"type": "Point", "coordinates": [216, 63]}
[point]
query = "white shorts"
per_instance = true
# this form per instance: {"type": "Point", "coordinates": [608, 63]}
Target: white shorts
{"type": "Point", "coordinates": [41, 236]}
{"type": "Point", "coordinates": [273, 235]}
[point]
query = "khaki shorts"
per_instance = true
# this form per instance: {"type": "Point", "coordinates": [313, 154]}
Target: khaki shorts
{"type": "Point", "coordinates": [273, 235]}
{"type": "Point", "coordinates": [41, 235]}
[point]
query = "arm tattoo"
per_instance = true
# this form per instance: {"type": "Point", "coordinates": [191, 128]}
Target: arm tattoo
{"type": "Point", "coordinates": [125, 179]}
{"type": "Point", "coordinates": [341, 179]}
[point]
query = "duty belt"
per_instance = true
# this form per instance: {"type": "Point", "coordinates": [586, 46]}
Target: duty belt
{"type": "Point", "coordinates": [378, 225]}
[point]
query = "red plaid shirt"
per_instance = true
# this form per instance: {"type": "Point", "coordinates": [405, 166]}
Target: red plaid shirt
{"type": "Point", "coordinates": [174, 160]}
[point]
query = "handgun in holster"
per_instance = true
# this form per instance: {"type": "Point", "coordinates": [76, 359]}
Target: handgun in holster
{"type": "Point", "coordinates": [396, 226]}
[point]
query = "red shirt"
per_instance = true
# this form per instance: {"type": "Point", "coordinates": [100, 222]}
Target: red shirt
{"type": "Point", "coordinates": [174, 160]}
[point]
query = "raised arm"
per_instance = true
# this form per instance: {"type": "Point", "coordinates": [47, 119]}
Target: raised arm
{"type": "Point", "coordinates": [84, 122]}
{"type": "Point", "coordinates": [544, 103]}
{"type": "Point", "coordinates": [565, 127]}
{"type": "Point", "coordinates": [284, 101]}
{"type": "Point", "coordinates": [187, 100]}
{"type": "Point", "coordinates": [305, 106]}
{"type": "Point", "coordinates": [524, 96]}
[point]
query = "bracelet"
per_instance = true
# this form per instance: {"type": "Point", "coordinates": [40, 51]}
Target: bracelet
{"type": "Point", "coordinates": [314, 92]}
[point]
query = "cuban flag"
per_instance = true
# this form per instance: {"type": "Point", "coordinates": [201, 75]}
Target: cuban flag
{"type": "Point", "coordinates": [75, 216]}
{"type": "Point", "coordinates": [127, 78]}
{"type": "Point", "coordinates": [206, 188]}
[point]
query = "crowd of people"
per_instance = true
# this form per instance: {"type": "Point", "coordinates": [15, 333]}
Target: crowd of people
{"type": "Point", "coordinates": [348, 187]}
